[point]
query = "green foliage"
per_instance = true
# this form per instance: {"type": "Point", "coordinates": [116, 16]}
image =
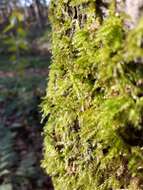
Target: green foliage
{"type": "Point", "coordinates": [20, 129]}
{"type": "Point", "coordinates": [31, 62]}
{"type": "Point", "coordinates": [14, 36]}
{"type": "Point", "coordinates": [94, 100]}
{"type": "Point", "coordinates": [8, 156]}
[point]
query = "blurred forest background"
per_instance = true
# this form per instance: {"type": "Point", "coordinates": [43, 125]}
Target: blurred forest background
{"type": "Point", "coordinates": [24, 60]}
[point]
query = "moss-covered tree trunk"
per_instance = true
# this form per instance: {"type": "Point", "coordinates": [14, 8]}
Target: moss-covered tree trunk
{"type": "Point", "coordinates": [94, 101]}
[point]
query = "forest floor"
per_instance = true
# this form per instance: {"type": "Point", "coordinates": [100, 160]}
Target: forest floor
{"type": "Point", "coordinates": [21, 88]}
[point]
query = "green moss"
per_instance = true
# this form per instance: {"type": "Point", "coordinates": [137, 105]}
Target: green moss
{"type": "Point", "coordinates": [94, 102]}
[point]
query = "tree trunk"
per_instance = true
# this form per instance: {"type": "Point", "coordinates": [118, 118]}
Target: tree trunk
{"type": "Point", "coordinates": [134, 10]}
{"type": "Point", "coordinates": [37, 13]}
{"type": "Point", "coordinates": [94, 101]}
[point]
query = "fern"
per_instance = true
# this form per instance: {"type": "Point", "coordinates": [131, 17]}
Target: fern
{"type": "Point", "coordinates": [7, 153]}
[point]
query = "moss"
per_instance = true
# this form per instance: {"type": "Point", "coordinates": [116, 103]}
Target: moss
{"type": "Point", "coordinates": [94, 103]}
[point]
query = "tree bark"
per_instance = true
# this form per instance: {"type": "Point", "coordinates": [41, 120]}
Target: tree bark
{"type": "Point", "coordinates": [37, 12]}
{"type": "Point", "coordinates": [134, 10]}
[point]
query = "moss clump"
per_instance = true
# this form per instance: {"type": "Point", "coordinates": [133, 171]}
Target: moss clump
{"type": "Point", "coordinates": [94, 101]}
